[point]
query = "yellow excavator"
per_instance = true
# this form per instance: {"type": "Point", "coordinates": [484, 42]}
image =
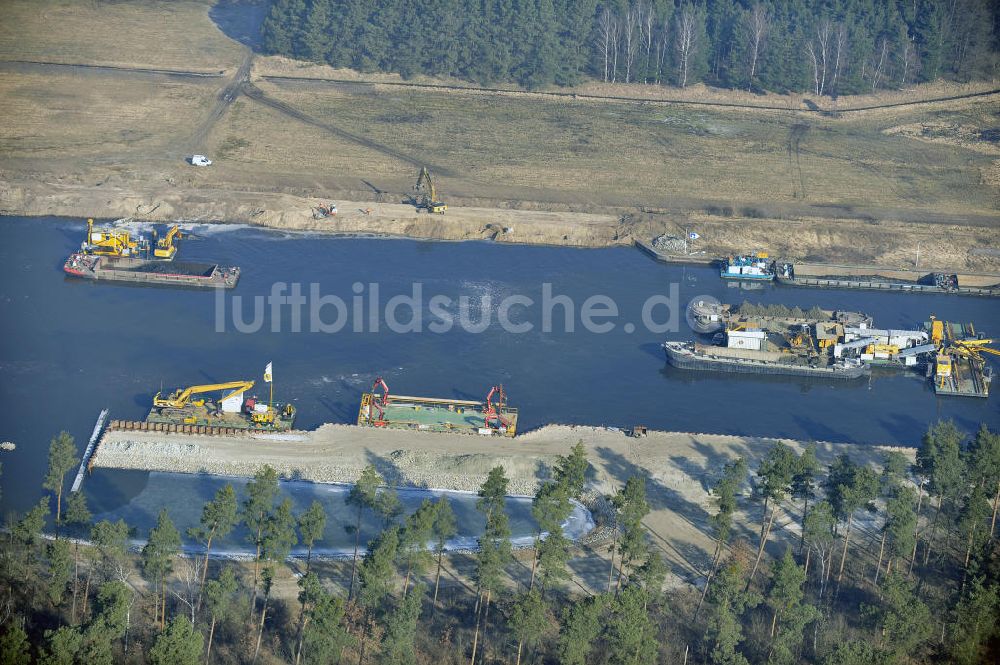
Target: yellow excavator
{"type": "Point", "coordinates": [109, 241]}
{"type": "Point", "coordinates": [424, 194]}
{"type": "Point", "coordinates": [165, 247]}
{"type": "Point", "coordinates": [181, 398]}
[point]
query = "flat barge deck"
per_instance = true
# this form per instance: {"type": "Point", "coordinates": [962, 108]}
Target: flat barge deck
{"type": "Point", "coordinates": [433, 414]}
{"type": "Point", "coordinates": [146, 271]}
{"type": "Point", "coordinates": [704, 357]}
{"type": "Point", "coordinates": [871, 278]}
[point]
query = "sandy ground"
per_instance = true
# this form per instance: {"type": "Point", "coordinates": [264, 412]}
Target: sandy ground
{"type": "Point", "coordinates": [679, 468]}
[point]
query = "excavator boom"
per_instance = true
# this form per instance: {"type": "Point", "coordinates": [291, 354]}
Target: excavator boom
{"type": "Point", "coordinates": [425, 195]}
{"type": "Point", "coordinates": [165, 248]}
{"type": "Point", "coordinates": [180, 398]}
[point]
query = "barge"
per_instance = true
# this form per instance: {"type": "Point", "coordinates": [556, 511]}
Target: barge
{"type": "Point", "coordinates": [770, 339]}
{"type": "Point", "coordinates": [714, 358]}
{"type": "Point", "coordinates": [221, 406]}
{"type": "Point", "coordinates": [491, 417]}
{"type": "Point", "coordinates": [147, 271]}
{"type": "Point", "coordinates": [748, 267]}
{"type": "Point", "coordinates": [876, 279]}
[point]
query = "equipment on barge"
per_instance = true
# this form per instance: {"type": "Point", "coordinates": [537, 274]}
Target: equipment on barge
{"type": "Point", "coordinates": [493, 416]}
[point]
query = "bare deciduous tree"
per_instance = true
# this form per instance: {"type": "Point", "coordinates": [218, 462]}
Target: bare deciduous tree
{"type": "Point", "coordinates": [616, 36]}
{"type": "Point", "coordinates": [909, 60]}
{"type": "Point", "coordinates": [687, 41]}
{"type": "Point", "coordinates": [661, 50]}
{"type": "Point", "coordinates": [647, 24]}
{"type": "Point", "coordinates": [839, 49]}
{"type": "Point", "coordinates": [878, 62]}
{"type": "Point", "coordinates": [605, 33]}
{"type": "Point", "coordinates": [630, 39]}
{"type": "Point", "coordinates": [757, 21]}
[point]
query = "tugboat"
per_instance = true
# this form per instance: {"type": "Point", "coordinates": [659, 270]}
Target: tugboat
{"type": "Point", "coordinates": [748, 267]}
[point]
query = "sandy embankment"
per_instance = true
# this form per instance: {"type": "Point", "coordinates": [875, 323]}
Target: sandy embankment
{"type": "Point", "coordinates": [679, 467]}
{"type": "Point", "coordinates": [290, 212]}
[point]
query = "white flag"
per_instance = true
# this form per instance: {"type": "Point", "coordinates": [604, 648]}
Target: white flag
{"type": "Point", "coordinates": [267, 373]}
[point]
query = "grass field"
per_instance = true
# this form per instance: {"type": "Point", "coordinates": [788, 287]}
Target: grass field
{"type": "Point", "coordinates": [628, 154]}
{"type": "Point", "coordinates": [163, 34]}
{"type": "Point", "coordinates": [85, 116]}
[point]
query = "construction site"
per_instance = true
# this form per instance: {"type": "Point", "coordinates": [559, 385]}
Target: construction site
{"type": "Point", "coordinates": [106, 127]}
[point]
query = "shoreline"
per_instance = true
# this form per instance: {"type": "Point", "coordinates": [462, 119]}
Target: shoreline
{"type": "Point", "coordinates": [458, 231]}
{"type": "Point", "coordinates": [678, 468]}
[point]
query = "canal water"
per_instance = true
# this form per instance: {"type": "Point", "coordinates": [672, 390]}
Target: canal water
{"type": "Point", "coordinates": [70, 348]}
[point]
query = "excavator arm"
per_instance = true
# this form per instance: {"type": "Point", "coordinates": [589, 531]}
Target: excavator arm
{"type": "Point", "coordinates": [425, 195]}
{"type": "Point", "coordinates": [180, 398]}
{"type": "Point", "coordinates": [165, 248]}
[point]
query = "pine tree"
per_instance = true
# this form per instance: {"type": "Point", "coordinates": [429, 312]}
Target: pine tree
{"type": "Point", "coordinates": [631, 633]}
{"type": "Point", "coordinates": [14, 647]}
{"type": "Point", "coordinates": [324, 637]}
{"type": "Point", "coordinates": [550, 508]}
{"type": "Point", "coordinates": [363, 495]}
{"type": "Point", "coordinates": [162, 546]}
{"type": "Point", "coordinates": [220, 599]}
{"type": "Point", "coordinates": [218, 517]}
{"type": "Point", "coordinates": [726, 604]}
{"type": "Point", "coordinates": [974, 623]}
{"type": "Point", "coordinates": [311, 526]}
{"type": "Point", "coordinates": [444, 528]}
{"type": "Point", "coordinates": [494, 546]}
{"type": "Point", "coordinates": [261, 493]}
{"type": "Point", "coordinates": [62, 459]}
{"type": "Point", "coordinates": [776, 472]}
{"type": "Point", "coordinates": [278, 539]}
{"type": "Point", "coordinates": [581, 624]}
{"type": "Point", "coordinates": [631, 507]}
{"type": "Point", "coordinates": [984, 461]}
{"type": "Point", "coordinates": [179, 644]}
{"type": "Point", "coordinates": [939, 460]}
{"type": "Point", "coordinates": [902, 621]}
{"type": "Point", "coordinates": [375, 577]}
{"type": "Point", "coordinates": [399, 643]}
{"type": "Point", "coordinates": [850, 488]}
{"type": "Point", "coordinates": [529, 621]}
{"type": "Point", "coordinates": [789, 615]}
{"type": "Point", "coordinates": [724, 494]}
{"type": "Point", "coordinates": [77, 517]}
{"type": "Point", "coordinates": [416, 533]}
{"type": "Point", "coordinates": [571, 470]}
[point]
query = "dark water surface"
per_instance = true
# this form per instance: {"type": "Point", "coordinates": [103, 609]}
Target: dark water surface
{"type": "Point", "coordinates": [69, 348]}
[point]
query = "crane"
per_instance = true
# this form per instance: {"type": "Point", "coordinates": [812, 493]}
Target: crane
{"type": "Point", "coordinates": [109, 241]}
{"type": "Point", "coordinates": [181, 398]}
{"type": "Point", "coordinates": [974, 347]}
{"type": "Point", "coordinates": [165, 248]}
{"type": "Point", "coordinates": [494, 412]}
{"type": "Point", "coordinates": [380, 401]}
{"type": "Point", "coordinates": [424, 194]}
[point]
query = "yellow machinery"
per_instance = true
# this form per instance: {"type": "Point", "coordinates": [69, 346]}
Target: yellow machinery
{"type": "Point", "coordinates": [424, 194]}
{"type": "Point", "coordinates": [181, 398]}
{"type": "Point", "coordinates": [165, 248]}
{"type": "Point", "coordinates": [267, 417]}
{"type": "Point", "coordinates": [937, 331]}
{"type": "Point", "coordinates": [942, 368]}
{"type": "Point", "coordinates": [108, 242]}
{"type": "Point", "coordinates": [974, 347]}
{"type": "Point", "coordinates": [888, 349]}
